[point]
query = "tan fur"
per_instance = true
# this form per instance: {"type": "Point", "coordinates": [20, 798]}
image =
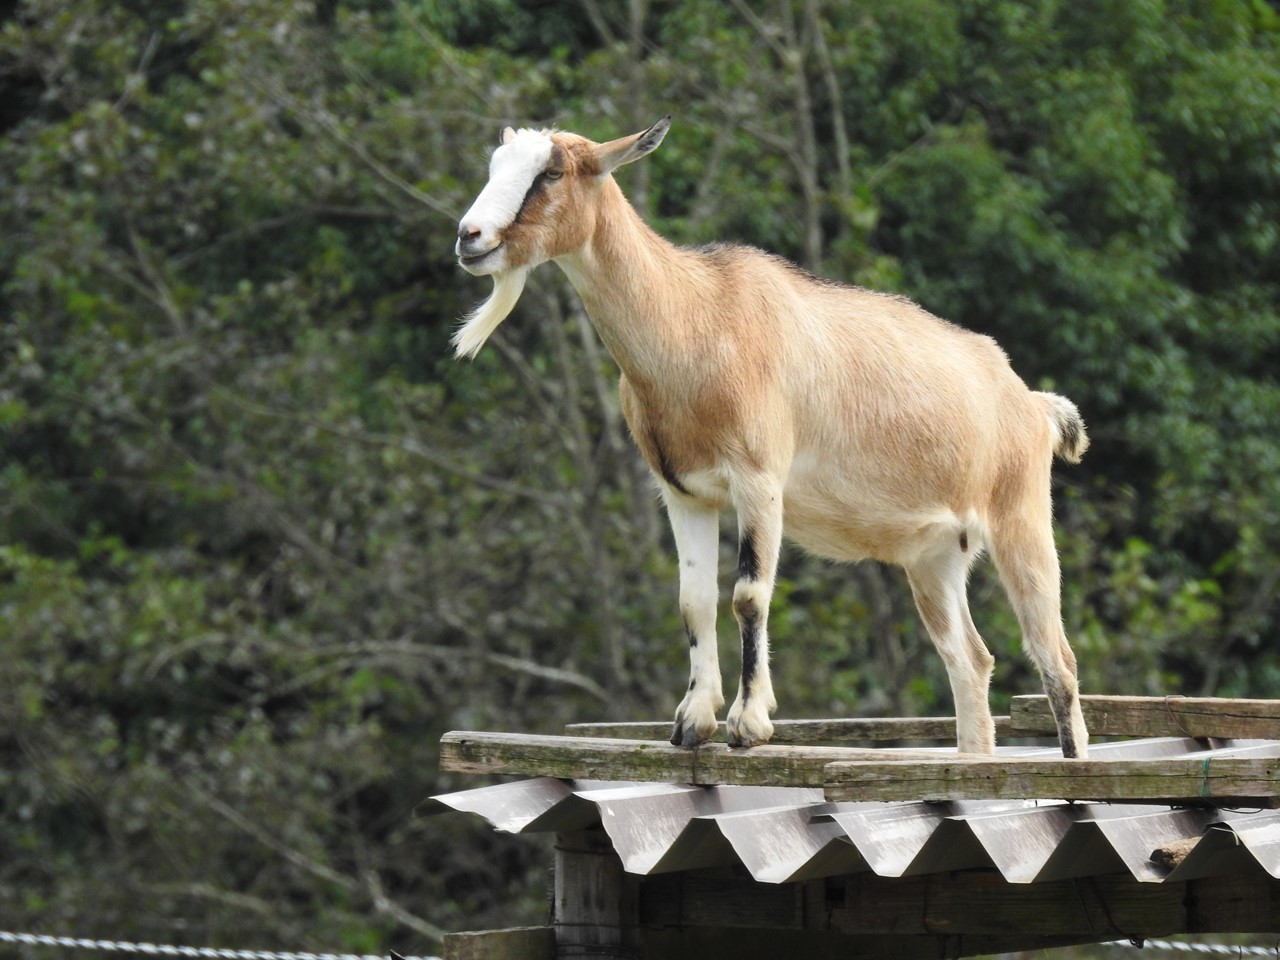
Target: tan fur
{"type": "Point", "coordinates": [874, 428]}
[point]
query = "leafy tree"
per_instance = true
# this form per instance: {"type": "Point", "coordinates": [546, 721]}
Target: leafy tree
{"type": "Point", "coordinates": [262, 541]}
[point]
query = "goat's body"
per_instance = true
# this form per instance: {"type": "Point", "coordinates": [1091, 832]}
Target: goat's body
{"type": "Point", "coordinates": [883, 425]}
{"type": "Point", "coordinates": [860, 423]}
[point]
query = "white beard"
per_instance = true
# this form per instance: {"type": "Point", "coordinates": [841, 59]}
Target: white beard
{"type": "Point", "coordinates": [480, 323]}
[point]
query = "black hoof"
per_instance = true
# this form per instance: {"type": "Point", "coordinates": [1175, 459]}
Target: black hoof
{"type": "Point", "coordinates": [686, 735]}
{"type": "Point", "coordinates": [1068, 743]}
{"type": "Point", "coordinates": [677, 734]}
{"type": "Point", "coordinates": [691, 739]}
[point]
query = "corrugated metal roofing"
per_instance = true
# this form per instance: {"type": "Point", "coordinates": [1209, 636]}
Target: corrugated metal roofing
{"type": "Point", "coordinates": [784, 834]}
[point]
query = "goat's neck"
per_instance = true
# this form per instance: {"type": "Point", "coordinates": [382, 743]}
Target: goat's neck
{"type": "Point", "coordinates": [641, 292]}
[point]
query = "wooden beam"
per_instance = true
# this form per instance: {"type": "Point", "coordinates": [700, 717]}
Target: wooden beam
{"type": "Point", "coordinates": [853, 729]}
{"type": "Point", "coordinates": [869, 774]}
{"type": "Point", "coordinates": [743, 943]}
{"type": "Point", "coordinates": [1157, 717]}
{"type": "Point", "coordinates": [584, 758]}
{"type": "Point", "coordinates": [517, 943]}
{"type": "Point", "coordinates": [1237, 781]}
{"type": "Point", "coordinates": [966, 903]}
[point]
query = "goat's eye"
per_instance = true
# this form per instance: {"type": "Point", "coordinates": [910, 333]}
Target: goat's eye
{"type": "Point", "coordinates": [553, 174]}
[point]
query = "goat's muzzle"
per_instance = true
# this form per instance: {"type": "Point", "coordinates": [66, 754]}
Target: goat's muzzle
{"type": "Point", "coordinates": [472, 250]}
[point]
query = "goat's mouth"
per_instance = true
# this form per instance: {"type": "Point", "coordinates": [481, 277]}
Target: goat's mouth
{"type": "Point", "coordinates": [468, 261]}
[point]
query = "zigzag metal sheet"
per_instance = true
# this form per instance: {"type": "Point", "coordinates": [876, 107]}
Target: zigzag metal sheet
{"type": "Point", "coordinates": [783, 834]}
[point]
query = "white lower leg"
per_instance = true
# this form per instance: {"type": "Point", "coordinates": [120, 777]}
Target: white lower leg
{"type": "Point", "coordinates": [697, 532]}
{"type": "Point", "coordinates": [975, 728]}
{"type": "Point", "coordinates": [938, 583]}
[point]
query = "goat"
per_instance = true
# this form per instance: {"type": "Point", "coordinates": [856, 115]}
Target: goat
{"type": "Point", "coordinates": [870, 427]}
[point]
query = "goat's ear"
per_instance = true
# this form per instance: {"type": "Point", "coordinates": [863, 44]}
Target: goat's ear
{"type": "Point", "coordinates": [506, 136]}
{"type": "Point", "coordinates": [617, 152]}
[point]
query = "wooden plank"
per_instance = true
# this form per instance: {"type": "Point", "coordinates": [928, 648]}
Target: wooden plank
{"type": "Point", "coordinates": [1157, 717]}
{"type": "Point", "coordinates": [971, 912]}
{"type": "Point", "coordinates": [1220, 780]}
{"type": "Point", "coordinates": [742, 943]}
{"type": "Point", "coordinates": [516, 943]}
{"type": "Point", "coordinates": [981, 903]}
{"type": "Point", "coordinates": [853, 729]}
{"type": "Point", "coordinates": [586, 758]}
{"type": "Point", "coordinates": [966, 903]}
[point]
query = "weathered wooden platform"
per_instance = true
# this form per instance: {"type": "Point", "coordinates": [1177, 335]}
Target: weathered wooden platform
{"type": "Point", "coordinates": [1224, 773]}
{"type": "Point", "coordinates": [646, 866]}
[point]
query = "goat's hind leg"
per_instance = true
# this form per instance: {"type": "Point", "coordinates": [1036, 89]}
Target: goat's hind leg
{"type": "Point", "coordinates": [938, 582]}
{"type": "Point", "coordinates": [697, 533]}
{"type": "Point", "coordinates": [1025, 555]}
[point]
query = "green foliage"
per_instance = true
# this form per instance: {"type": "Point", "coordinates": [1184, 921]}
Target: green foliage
{"type": "Point", "coordinates": [262, 541]}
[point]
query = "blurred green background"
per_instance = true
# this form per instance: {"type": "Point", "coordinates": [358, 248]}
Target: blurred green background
{"type": "Point", "coordinates": [262, 541]}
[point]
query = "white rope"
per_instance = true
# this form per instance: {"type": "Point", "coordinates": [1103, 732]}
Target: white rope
{"type": "Point", "coordinates": [168, 950]}
{"type": "Point", "coordinates": [1220, 949]}
{"type": "Point", "coordinates": [220, 953]}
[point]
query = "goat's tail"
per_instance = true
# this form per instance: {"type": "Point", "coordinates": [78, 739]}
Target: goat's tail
{"type": "Point", "coordinates": [1069, 439]}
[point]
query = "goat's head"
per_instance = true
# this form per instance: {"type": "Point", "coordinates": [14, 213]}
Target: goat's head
{"type": "Point", "coordinates": [539, 204]}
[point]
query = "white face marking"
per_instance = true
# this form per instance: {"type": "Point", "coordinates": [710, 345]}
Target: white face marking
{"type": "Point", "coordinates": [512, 170]}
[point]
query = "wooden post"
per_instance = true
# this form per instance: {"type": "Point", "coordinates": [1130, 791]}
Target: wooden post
{"type": "Point", "coordinates": [596, 908]}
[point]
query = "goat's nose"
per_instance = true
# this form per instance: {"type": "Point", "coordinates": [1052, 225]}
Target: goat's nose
{"type": "Point", "coordinates": [466, 232]}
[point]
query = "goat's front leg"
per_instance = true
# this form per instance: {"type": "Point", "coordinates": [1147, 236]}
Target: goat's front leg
{"type": "Point", "coordinates": [759, 508]}
{"type": "Point", "coordinates": [697, 532]}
